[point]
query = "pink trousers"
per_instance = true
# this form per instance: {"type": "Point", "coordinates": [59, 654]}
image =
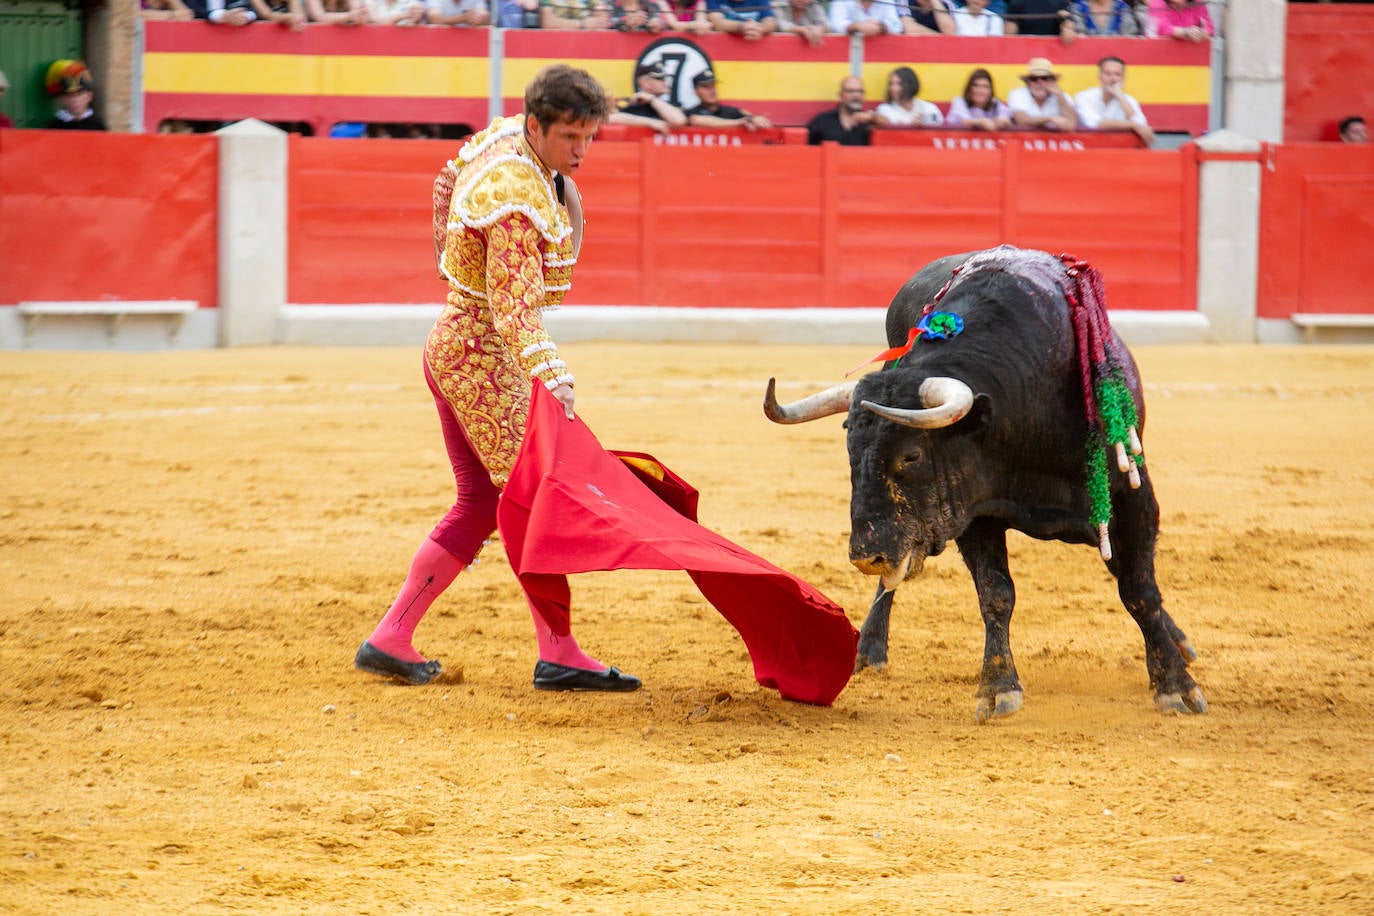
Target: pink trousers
{"type": "Point", "coordinates": [473, 517]}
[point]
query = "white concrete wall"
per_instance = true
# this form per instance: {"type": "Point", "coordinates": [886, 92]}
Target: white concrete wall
{"type": "Point", "coordinates": [252, 232]}
{"type": "Point", "coordinates": [1228, 238]}
{"type": "Point", "coordinates": [1254, 88]}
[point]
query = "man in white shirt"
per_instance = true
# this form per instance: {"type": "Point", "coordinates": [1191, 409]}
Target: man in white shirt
{"type": "Point", "coordinates": [975, 19]}
{"type": "Point", "coordinates": [1108, 107]}
{"type": "Point", "coordinates": [868, 18]}
{"type": "Point", "coordinates": [1041, 103]}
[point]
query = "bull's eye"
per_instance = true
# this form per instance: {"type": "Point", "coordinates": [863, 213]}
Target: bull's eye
{"type": "Point", "coordinates": [910, 460]}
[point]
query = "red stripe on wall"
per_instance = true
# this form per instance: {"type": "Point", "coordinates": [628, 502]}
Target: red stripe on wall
{"type": "Point", "coordinates": [977, 51]}
{"type": "Point", "coordinates": [319, 111]}
{"type": "Point", "coordinates": [361, 40]}
{"type": "Point", "coordinates": [560, 45]}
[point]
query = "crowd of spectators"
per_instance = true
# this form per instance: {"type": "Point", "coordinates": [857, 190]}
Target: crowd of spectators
{"type": "Point", "coordinates": [751, 20]}
{"type": "Point", "coordinates": [1037, 103]}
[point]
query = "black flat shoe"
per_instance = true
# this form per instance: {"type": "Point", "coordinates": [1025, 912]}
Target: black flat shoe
{"type": "Point", "coordinates": [550, 676]}
{"type": "Point", "coordinates": [375, 661]}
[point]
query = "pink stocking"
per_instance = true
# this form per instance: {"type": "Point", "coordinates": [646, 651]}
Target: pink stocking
{"type": "Point", "coordinates": [552, 628]}
{"type": "Point", "coordinates": [432, 571]}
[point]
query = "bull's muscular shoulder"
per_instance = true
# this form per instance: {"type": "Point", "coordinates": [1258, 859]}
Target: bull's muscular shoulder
{"type": "Point", "coordinates": [906, 305]}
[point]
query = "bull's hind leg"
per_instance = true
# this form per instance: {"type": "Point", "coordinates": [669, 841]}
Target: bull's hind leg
{"type": "Point", "coordinates": [1134, 529]}
{"type": "Point", "coordinates": [873, 634]}
{"type": "Point", "coordinates": [984, 549]}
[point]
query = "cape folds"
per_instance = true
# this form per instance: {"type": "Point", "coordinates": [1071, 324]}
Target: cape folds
{"type": "Point", "coordinates": [570, 506]}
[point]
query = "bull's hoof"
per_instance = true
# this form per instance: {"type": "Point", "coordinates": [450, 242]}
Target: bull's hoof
{"type": "Point", "coordinates": [998, 707]}
{"type": "Point", "coordinates": [1182, 703]}
{"type": "Point", "coordinates": [1189, 653]}
{"type": "Point", "coordinates": [862, 661]}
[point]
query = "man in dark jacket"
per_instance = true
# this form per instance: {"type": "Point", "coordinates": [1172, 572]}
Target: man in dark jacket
{"type": "Point", "coordinates": [846, 124]}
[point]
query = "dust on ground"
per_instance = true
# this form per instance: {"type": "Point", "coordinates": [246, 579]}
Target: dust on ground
{"type": "Point", "coordinates": [194, 544]}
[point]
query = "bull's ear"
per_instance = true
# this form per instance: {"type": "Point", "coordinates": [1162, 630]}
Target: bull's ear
{"type": "Point", "coordinates": [978, 418]}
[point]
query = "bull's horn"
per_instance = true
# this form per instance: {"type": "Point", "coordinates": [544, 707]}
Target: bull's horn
{"type": "Point", "coordinates": [822, 404]}
{"type": "Point", "coordinates": [946, 400]}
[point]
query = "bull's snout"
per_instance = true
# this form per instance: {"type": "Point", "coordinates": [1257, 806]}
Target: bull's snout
{"type": "Point", "coordinates": [879, 556]}
{"type": "Point", "coordinates": [872, 555]}
{"type": "Point", "coordinates": [872, 564]}
{"type": "Point", "coordinates": [892, 572]}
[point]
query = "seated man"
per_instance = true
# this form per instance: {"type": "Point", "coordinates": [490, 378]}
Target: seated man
{"type": "Point", "coordinates": [805, 18]}
{"type": "Point", "coordinates": [167, 9]}
{"type": "Point", "coordinates": [1352, 130]}
{"type": "Point", "coordinates": [869, 18]}
{"type": "Point", "coordinates": [975, 20]}
{"type": "Point", "coordinates": [749, 19]}
{"type": "Point", "coordinates": [1041, 103]}
{"type": "Point", "coordinates": [336, 12]}
{"type": "Point", "coordinates": [1108, 107]}
{"type": "Point", "coordinates": [226, 12]}
{"type": "Point", "coordinates": [575, 14]}
{"type": "Point", "coordinates": [847, 124]}
{"type": "Point", "coordinates": [470, 13]}
{"type": "Point", "coordinates": [289, 13]}
{"type": "Point", "coordinates": [1040, 17]}
{"type": "Point", "coordinates": [928, 17]}
{"type": "Point", "coordinates": [651, 84]}
{"type": "Point", "coordinates": [711, 113]}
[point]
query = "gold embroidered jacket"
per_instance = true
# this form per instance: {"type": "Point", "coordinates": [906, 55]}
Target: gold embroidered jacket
{"type": "Point", "coordinates": [507, 251]}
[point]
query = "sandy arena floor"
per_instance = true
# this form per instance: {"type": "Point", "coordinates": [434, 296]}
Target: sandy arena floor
{"type": "Point", "coordinates": [193, 545]}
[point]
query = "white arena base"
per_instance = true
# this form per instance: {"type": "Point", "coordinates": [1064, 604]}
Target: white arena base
{"type": "Point", "coordinates": [407, 325]}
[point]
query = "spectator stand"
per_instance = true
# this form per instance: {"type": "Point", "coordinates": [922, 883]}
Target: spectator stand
{"type": "Point", "coordinates": [458, 77]}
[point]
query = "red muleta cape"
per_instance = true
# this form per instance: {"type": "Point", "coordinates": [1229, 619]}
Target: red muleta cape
{"type": "Point", "coordinates": [570, 506]}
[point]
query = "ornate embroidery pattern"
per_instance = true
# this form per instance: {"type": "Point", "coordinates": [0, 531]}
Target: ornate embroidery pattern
{"type": "Point", "coordinates": [508, 255]}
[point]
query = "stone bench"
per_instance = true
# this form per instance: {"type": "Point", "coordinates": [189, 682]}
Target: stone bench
{"type": "Point", "coordinates": [1314, 322]}
{"type": "Point", "coordinates": [114, 310]}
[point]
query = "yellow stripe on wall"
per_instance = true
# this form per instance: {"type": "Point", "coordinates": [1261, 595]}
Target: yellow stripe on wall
{"type": "Point", "coordinates": [295, 74]}
{"type": "Point", "coordinates": [467, 77]}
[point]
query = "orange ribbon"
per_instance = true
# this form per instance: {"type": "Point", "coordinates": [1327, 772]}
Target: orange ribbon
{"type": "Point", "coordinates": [893, 353]}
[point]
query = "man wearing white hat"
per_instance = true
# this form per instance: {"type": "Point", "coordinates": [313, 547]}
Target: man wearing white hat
{"type": "Point", "coordinates": [1041, 103]}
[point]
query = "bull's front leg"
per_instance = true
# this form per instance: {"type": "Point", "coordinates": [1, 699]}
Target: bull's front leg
{"type": "Point", "coordinates": [984, 549]}
{"type": "Point", "coordinates": [873, 634]}
{"type": "Point", "coordinates": [1134, 529]}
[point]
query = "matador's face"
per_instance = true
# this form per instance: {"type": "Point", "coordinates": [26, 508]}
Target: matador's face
{"type": "Point", "coordinates": [564, 145]}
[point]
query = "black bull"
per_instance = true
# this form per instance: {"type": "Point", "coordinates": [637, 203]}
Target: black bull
{"type": "Point", "coordinates": [967, 437]}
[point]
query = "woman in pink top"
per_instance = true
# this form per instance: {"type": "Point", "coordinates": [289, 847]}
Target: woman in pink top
{"type": "Point", "coordinates": [1179, 19]}
{"type": "Point", "coordinates": [978, 108]}
{"type": "Point", "coordinates": [684, 15]}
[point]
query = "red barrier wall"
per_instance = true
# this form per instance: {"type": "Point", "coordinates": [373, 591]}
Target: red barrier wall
{"type": "Point", "coordinates": [1317, 230]}
{"type": "Point", "coordinates": [764, 226]}
{"type": "Point", "coordinates": [134, 217]}
{"type": "Point", "coordinates": [359, 220]}
{"type": "Point", "coordinates": [1328, 68]}
{"type": "Point", "coordinates": [107, 216]}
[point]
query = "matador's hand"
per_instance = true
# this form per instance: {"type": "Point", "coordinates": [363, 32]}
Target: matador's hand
{"type": "Point", "coordinates": [565, 395]}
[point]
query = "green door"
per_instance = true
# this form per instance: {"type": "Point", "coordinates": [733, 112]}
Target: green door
{"type": "Point", "coordinates": [33, 34]}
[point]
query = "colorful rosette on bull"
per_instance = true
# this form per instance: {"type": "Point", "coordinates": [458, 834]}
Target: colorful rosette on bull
{"type": "Point", "coordinates": [940, 325]}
